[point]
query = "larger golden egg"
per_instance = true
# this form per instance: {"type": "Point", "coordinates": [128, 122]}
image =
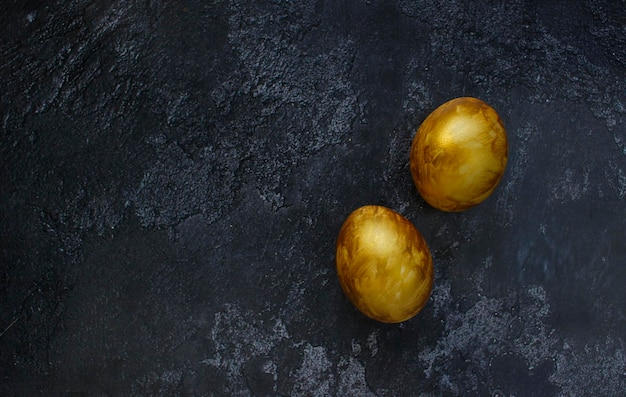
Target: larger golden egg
{"type": "Point", "coordinates": [384, 264]}
{"type": "Point", "coordinates": [459, 154]}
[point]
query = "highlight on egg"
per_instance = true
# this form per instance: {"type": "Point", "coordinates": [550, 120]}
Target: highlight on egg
{"type": "Point", "coordinates": [459, 154]}
{"type": "Point", "coordinates": [384, 265]}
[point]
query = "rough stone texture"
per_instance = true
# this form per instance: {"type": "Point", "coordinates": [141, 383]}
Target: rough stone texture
{"type": "Point", "coordinates": [173, 176]}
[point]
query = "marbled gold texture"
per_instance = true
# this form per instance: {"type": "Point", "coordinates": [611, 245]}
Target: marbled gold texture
{"type": "Point", "coordinates": [459, 154]}
{"type": "Point", "coordinates": [384, 264]}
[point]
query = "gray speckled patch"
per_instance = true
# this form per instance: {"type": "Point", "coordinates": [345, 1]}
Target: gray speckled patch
{"type": "Point", "coordinates": [314, 377]}
{"type": "Point", "coordinates": [489, 328]}
{"type": "Point", "coordinates": [240, 337]}
{"type": "Point", "coordinates": [503, 330]}
{"type": "Point", "coordinates": [598, 368]}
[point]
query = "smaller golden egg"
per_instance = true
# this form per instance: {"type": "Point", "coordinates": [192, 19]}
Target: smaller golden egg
{"type": "Point", "coordinates": [459, 154]}
{"type": "Point", "coordinates": [384, 264]}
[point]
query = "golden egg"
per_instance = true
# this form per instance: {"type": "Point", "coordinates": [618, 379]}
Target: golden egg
{"type": "Point", "coordinates": [384, 264]}
{"type": "Point", "coordinates": [459, 154]}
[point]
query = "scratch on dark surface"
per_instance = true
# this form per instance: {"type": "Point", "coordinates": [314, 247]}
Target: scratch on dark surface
{"type": "Point", "coordinates": [9, 326]}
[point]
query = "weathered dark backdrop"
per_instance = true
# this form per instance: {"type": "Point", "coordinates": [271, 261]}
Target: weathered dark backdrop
{"type": "Point", "coordinates": [173, 175]}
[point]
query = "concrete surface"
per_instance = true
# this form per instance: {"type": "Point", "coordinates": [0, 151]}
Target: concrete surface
{"type": "Point", "coordinates": [173, 175]}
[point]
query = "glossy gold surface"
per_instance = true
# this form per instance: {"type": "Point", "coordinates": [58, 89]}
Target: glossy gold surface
{"type": "Point", "coordinates": [384, 264]}
{"type": "Point", "coordinates": [459, 154]}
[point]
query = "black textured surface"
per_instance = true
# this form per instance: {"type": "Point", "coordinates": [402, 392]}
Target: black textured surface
{"type": "Point", "coordinates": [174, 174]}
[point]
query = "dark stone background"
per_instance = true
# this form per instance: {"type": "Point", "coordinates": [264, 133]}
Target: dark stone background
{"type": "Point", "coordinates": [174, 175]}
